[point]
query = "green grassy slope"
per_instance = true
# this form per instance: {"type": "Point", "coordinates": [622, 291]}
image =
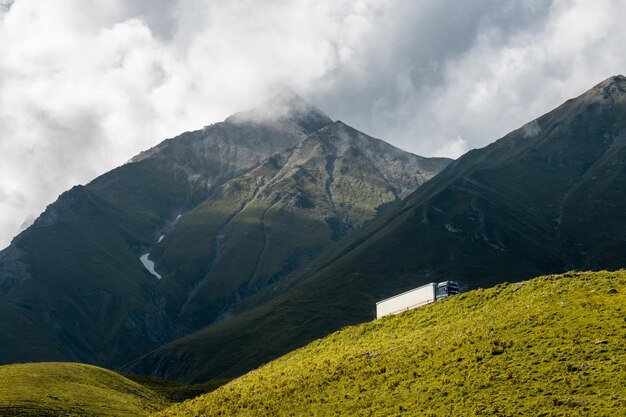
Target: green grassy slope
{"type": "Point", "coordinates": [550, 346]}
{"type": "Point", "coordinates": [73, 389]}
{"type": "Point", "coordinates": [70, 389]}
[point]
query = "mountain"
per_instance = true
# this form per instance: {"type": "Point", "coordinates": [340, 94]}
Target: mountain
{"type": "Point", "coordinates": [546, 198]}
{"type": "Point", "coordinates": [261, 226]}
{"type": "Point", "coordinates": [548, 346]}
{"type": "Point", "coordinates": [186, 233]}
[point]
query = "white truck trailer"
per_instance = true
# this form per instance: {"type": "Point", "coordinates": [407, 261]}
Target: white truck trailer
{"type": "Point", "coordinates": [417, 297]}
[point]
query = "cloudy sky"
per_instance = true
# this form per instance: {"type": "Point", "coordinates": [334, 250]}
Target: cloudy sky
{"type": "Point", "coordinates": [86, 84]}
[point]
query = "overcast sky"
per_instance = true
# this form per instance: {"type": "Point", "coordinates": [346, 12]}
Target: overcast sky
{"type": "Point", "coordinates": [87, 84]}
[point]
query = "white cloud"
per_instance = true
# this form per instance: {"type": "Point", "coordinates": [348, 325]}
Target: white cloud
{"type": "Point", "coordinates": [85, 85]}
{"type": "Point", "coordinates": [502, 82]}
{"type": "Point", "coordinates": [452, 148]}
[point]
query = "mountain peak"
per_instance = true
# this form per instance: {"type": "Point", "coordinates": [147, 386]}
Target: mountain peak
{"type": "Point", "coordinates": [615, 79]}
{"type": "Point", "coordinates": [286, 106]}
{"type": "Point", "coordinates": [611, 88]}
{"type": "Point", "coordinates": [290, 99]}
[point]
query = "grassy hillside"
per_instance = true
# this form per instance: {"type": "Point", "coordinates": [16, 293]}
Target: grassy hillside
{"type": "Point", "coordinates": [72, 389]}
{"type": "Point", "coordinates": [69, 389]}
{"type": "Point", "coordinates": [550, 346]}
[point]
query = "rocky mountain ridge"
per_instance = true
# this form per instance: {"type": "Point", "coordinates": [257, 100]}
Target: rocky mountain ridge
{"type": "Point", "coordinates": [284, 212]}
{"type": "Point", "coordinates": [82, 283]}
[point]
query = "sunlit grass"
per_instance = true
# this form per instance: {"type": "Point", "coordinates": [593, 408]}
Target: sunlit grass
{"type": "Point", "coordinates": [73, 389]}
{"type": "Point", "coordinates": [550, 346]}
{"type": "Point", "coordinates": [70, 389]}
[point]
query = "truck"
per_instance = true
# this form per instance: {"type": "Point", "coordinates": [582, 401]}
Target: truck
{"type": "Point", "coordinates": [416, 297]}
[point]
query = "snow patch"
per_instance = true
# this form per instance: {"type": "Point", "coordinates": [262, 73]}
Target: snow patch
{"type": "Point", "coordinates": [160, 238]}
{"type": "Point", "coordinates": [149, 265]}
{"type": "Point", "coordinates": [451, 228]}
